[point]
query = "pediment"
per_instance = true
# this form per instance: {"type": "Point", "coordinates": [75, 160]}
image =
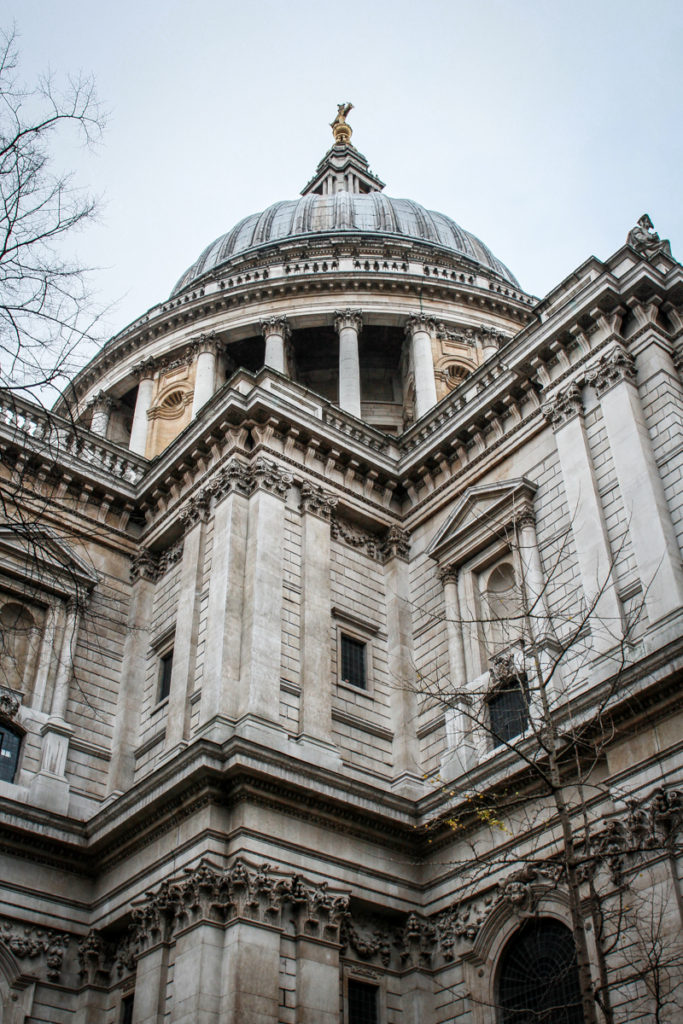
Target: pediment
{"type": "Point", "coordinates": [482, 514]}
{"type": "Point", "coordinates": [42, 561]}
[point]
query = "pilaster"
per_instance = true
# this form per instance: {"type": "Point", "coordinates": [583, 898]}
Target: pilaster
{"type": "Point", "coordinates": [565, 413]}
{"type": "Point", "coordinates": [650, 525]}
{"type": "Point", "coordinates": [460, 755]}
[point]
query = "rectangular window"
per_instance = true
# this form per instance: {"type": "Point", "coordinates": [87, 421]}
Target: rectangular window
{"type": "Point", "coordinates": [165, 670]}
{"type": "Point", "coordinates": [10, 743]}
{"type": "Point", "coordinates": [362, 1003]}
{"type": "Point", "coordinates": [353, 662]}
{"type": "Point", "coordinates": [508, 712]}
{"type": "Point", "coordinates": [127, 1009]}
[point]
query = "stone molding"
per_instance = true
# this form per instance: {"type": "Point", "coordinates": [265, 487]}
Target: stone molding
{"type": "Point", "coordinates": [563, 406]}
{"type": "Point", "coordinates": [276, 325]}
{"type": "Point", "coordinates": [316, 500]}
{"type": "Point", "coordinates": [348, 318]}
{"type": "Point", "coordinates": [29, 942]}
{"type": "Point", "coordinates": [615, 366]}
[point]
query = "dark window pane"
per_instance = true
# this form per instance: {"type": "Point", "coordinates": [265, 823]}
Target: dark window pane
{"type": "Point", "coordinates": [362, 1003]}
{"type": "Point", "coordinates": [353, 662]}
{"type": "Point", "coordinates": [165, 669]}
{"type": "Point", "coordinates": [508, 715]}
{"type": "Point", "coordinates": [539, 979]}
{"type": "Point", "coordinates": [127, 1009]}
{"type": "Point", "coordinates": [10, 742]}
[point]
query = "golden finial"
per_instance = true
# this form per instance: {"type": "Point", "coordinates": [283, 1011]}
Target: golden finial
{"type": "Point", "coordinates": [340, 129]}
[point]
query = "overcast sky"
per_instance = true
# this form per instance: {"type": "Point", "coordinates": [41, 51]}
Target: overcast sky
{"type": "Point", "coordinates": [545, 128]}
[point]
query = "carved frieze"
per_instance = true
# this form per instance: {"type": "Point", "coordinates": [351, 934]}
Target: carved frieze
{"type": "Point", "coordinates": [29, 942]}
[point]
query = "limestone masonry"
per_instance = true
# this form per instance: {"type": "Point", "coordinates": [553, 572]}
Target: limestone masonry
{"type": "Point", "coordinates": [305, 586]}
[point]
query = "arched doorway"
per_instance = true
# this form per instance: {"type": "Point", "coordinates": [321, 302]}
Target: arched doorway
{"type": "Point", "coordinates": [538, 980]}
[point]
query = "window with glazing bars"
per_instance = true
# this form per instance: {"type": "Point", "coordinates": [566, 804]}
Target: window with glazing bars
{"type": "Point", "coordinates": [362, 1003]}
{"type": "Point", "coordinates": [508, 712]}
{"type": "Point", "coordinates": [353, 662]}
{"type": "Point", "coordinates": [10, 743]}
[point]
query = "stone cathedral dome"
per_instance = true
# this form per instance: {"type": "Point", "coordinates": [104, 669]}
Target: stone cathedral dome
{"type": "Point", "coordinates": [339, 213]}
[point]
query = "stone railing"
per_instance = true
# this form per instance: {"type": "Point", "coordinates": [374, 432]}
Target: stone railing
{"type": "Point", "coordinates": [52, 436]}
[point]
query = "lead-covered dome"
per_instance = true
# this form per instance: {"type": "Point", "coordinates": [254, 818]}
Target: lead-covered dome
{"type": "Point", "coordinates": [314, 215]}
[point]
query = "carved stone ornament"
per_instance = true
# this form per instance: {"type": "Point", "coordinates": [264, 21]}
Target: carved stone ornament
{"type": "Point", "coordinates": [28, 942]}
{"type": "Point", "coordinates": [102, 402]}
{"type": "Point", "coordinates": [205, 343]}
{"type": "Point", "coordinates": [146, 369]}
{"type": "Point", "coordinates": [396, 544]}
{"type": "Point", "coordinates": [196, 510]}
{"type": "Point", "coordinates": [151, 565]}
{"type": "Point", "coordinates": [506, 667]}
{"type": "Point", "coordinates": [613, 368]}
{"type": "Point", "coordinates": [348, 318]}
{"type": "Point", "coordinates": [267, 476]}
{"type": "Point", "coordinates": [317, 501]}
{"type": "Point", "coordinates": [645, 240]}
{"type": "Point", "coordinates": [208, 892]}
{"type": "Point", "coordinates": [276, 325]}
{"type": "Point", "coordinates": [563, 406]}
{"type": "Point", "coordinates": [447, 574]}
{"type": "Point", "coordinates": [9, 705]}
{"type": "Point", "coordinates": [420, 322]}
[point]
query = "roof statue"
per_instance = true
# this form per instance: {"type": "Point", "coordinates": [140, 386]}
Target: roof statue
{"type": "Point", "coordinates": [645, 239]}
{"type": "Point", "coordinates": [340, 129]}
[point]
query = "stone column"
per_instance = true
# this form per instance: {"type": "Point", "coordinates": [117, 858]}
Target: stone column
{"type": "Point", "coordinates": [144, 573]}
{"type": "Point", "coordinates": [276, 332]}
{"type": "Point", "coordinates": [138, 434]}
{"type": "Point", "coordinates": [151, 978]}
{"type": "Point", "coordinates": [50, 788]}
{"type": "Point", "coordinates": [316, 508]}
{"type": "Point", "coordinates": [219, 706]}
{"type": "Point", "coordinates": [45, 657]}
{"type": "Point", "coordinates": [348, 325]}
{"type": "Point", "coordinates": [206, 349]}
{"type": "Point", "coordinates": [532, 572]}
{"type": "Point", "coordinates": [193, 517]}
{"type": "Point", "coordinates": [406, 751]}
{"type": "Point", "coordinates": [565, 413]}
{"type": "Point", "coordinates": [262, 628]}
{"type": "Point", "coordinates": [420, 330]}
{"type": "Point", "coordinates": [102, 406]}
{"type": "Point", "coordinates": [460, 755]}
{"type": "Point", "coordinates": [650, 525]}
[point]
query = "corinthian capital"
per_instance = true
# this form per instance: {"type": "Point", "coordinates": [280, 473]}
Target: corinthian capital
{"type": "Point", "coordinates": [420, 322]}
{"type": "Point", "coordinates": [317, 501]}
{"type": "Point", "coordinates": [615, 366]}
{"type": "Point", "coordinates": [563, 406]}
{"type": "Point", "coordinates": [205, 343]}
{"type": "Point", "coordinates": [275, 325]}
{"type": "Point", "coordinates": [348, 318]}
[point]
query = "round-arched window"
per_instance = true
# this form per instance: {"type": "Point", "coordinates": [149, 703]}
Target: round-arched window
{"type": "Point", "coordinates": [538, 979]}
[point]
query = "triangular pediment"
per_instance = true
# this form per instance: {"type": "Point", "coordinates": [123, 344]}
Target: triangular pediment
{"type": "Point", "coordinates": [43, 561]}
{"type": "Point", "coordinates": [481, 514]}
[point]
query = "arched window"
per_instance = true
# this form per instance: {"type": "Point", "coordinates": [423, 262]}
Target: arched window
{"type": "Point", "coordinates": [538, 980]}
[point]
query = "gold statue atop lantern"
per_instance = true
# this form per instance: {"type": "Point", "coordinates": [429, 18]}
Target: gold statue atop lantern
{"type": "Point", "coordinates": [340, 129]}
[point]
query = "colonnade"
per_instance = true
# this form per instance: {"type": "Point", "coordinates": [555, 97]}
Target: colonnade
{"type": "Point", "coordinates": [419, 329]}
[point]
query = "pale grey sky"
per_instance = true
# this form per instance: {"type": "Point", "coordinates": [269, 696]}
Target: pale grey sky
{"type": "Point", "coordinates": [546, 128]}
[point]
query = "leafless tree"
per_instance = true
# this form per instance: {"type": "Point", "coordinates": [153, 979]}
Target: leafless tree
{"type": "Point", "coordinates": [45, 311]}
